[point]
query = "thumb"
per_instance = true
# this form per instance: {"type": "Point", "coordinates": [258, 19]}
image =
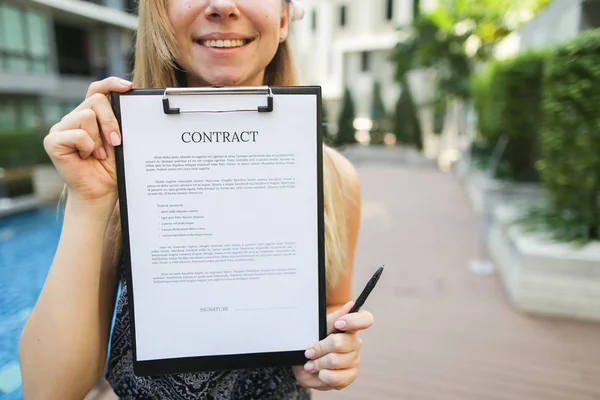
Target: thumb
{"type": "Point", "coordinates": [332, 317]}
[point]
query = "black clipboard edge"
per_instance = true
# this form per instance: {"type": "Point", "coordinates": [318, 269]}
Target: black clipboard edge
{"type": "Point", "coordinates": [218, 363]}
{"type": "Point", "coordinates": [238, 361]}
{"type": "Point", "coordinates": [321, 221]}
{"type": "Point", "coordinates": [123, 211]}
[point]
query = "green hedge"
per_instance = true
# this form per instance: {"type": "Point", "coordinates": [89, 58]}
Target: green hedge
{"type": "Point", "coordinates": [484, 106]}
{"type": "Point", "coordinates": [507, 100]}
{"type": "Point", "coordinates": [570, 139]}
{"type": "Point", "coordinates": [18, 187]}
{"type": "Point", "coordinates": [20, 148]}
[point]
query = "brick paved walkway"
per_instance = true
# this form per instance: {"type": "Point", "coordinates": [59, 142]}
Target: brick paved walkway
{"type": "Point", "coordinates": [442, 332]}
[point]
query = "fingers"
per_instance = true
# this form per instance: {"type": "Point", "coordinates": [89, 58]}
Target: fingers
{"type": "Point", "coordinates": [334, 361]}
{"type": "Point", "coordinates": [105, 86]}
{"type": "Point", "coordinates": [336, 343]}
{"type": "Point", "coordinates": [68, 142]}
{"type": "Point", "coordinates": [97, 100]}
{"type": "Point", "coordinates": [308, 380]}
{"type": "Point", "coordinates": [354, 322]}
{"type": "Point", "coordinates": [338, 379]}
{"type": "Point", "coordinates": [106, 119]}
{"type": "Point", "coordinates": [334, 316]}
{"type": "Point", "coordinates": [83, 119]}
{"type": "Point", "coordinates": [92, 127]}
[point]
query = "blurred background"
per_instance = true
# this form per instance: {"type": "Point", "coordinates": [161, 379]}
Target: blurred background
{"type": "Point", "coordinates": [475, 128]}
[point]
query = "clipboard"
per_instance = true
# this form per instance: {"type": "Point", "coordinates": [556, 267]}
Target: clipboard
{"type": "Point", "coordinates": [177, 103]}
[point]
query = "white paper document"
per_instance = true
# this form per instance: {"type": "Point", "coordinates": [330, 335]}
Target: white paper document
{"type": "Point", "coordinates": [222, 218]}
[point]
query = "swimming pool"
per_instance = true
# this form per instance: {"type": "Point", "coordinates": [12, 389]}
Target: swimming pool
{"type": "Point", "coordinates": [27, 245]}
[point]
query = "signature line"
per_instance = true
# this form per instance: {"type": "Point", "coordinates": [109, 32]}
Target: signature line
{"type": "Point", "coordinates": [266, 309]}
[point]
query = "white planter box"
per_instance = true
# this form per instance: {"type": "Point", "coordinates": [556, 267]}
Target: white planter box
{"type": "Point", "coordinates": [47, 184]}
{"type": "Point", "coordinates": [461, 168]}
{"type": "Point", "coordinates": [486, 193]}
{"type": "Point", "coordinates": [544, 277]}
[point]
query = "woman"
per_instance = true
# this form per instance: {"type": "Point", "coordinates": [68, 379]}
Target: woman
{"type": "Point", "coordinates": [63, 346]}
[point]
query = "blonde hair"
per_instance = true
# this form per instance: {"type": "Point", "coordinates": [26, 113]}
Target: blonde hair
{"type": "Point", "coordinates": [155, 66]}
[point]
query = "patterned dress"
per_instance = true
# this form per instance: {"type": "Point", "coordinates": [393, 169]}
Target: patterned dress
{"type": "Point", "coordinates": [252, 384]}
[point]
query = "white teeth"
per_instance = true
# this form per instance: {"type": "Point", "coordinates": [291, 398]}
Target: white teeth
{"type": "Point", "coordinates": [224, 43]}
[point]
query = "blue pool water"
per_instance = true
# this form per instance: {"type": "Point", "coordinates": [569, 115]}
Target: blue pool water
{"type": "Point", "coordinates": [27, 245]}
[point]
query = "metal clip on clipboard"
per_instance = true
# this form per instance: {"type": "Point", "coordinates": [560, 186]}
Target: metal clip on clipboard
{"type": "Point", "coordinates": [218, 90]}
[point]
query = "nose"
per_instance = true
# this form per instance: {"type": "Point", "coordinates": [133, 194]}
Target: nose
{"type": "Point", "coordinates": [222, 9]}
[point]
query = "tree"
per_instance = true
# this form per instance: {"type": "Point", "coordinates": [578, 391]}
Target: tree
{"type": "Point", "coordinates": [453, 38]}
{"type": "Point", "coordinates": [407, 127]}
{"type": "Point", "coordinates": [325, 123]}
{"type": "Point", "coordinates": [346, 131]}
{"type": "Point", "coordinates": [378, 115]}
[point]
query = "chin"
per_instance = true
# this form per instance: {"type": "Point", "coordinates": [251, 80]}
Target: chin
{"type": "Point", "coordinates": [225, 79]}
{"type": "Point", "coordinates": [226, 82]}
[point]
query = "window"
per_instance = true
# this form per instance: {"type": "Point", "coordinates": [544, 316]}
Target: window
{"type": "Point", "coordinates": [343, 16]}
{"type": "Point", "coordinates": [72, 50]}
{"type": "Point", "coordinates": [20, 112]}
{"type": "Point", "coordinates": [23, 40]}
{"type": "Point", "coordinates": [56, 109]}
{"type": "Point", "coordinates": [131, 6]}
{"type": "Point", "coordinates": [8, 114]}
{"type": "Point", "coordinates": [31, 116]}
{"type": "Point", "coordinates": [13, 38]}
{"type": "Point", "coordinates": [313, 20]}
{"type": "Point", "coordinates": [38, 41]}
{"type": "Point", "coordinates": [416, 8]}
{"type": "Point", "coordinates": [364, 61]}
{"type": "Point", "coordinates": [53, 113]}
{"type": "Point", "coordinates": [590, 14]}
{"type": "Point", "coordinates": [389, 10]}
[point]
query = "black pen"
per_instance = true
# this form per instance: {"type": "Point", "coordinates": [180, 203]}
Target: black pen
{"type": "Point", "coordinates": [365, 293]}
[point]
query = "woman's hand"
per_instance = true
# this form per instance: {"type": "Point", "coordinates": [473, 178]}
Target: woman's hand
{"type": "Point", "coordinates": [333, 362]}
{"type": "Point", "coordinates": [81, 145]}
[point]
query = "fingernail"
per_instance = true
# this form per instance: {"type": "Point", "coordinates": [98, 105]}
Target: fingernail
{"type": "Point", "coordinates": [114, 138]}
{"type": "Point", "coordinates": [125, 83]}
{"type": "Point", "coordinates": [310, 353]}
{"type": "Point", "coordinates": [102, 153]}
{"type": "Point", "coordinates": [309, 366]}
{"type": "Point", "coordinates": [341, 324]}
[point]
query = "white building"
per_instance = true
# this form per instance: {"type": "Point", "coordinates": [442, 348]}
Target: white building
{"type": "Point", "coordinates": [347, 43]}
{"type": "Point", "coordinates": [560, 20]}
{"type": "Point", "coordinates": [51, 50]}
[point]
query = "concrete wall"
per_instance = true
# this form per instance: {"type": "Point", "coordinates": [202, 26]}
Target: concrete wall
{"type": "Point", "coordinates": [557, 22]}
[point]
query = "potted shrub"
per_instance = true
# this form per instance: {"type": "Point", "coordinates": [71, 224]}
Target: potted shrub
{"type": "Point", "coordinates": [549, 257]}
{"type": "Point", "coordinates": [507, 101]}
{"type": "Point", "coordinates": [378, 116]}
{"type": "Point", "coordinates": [346, 133]}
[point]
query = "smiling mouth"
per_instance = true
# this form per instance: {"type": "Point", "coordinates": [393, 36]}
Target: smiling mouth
{"type": "Point", "coordinates": [224, 44]}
